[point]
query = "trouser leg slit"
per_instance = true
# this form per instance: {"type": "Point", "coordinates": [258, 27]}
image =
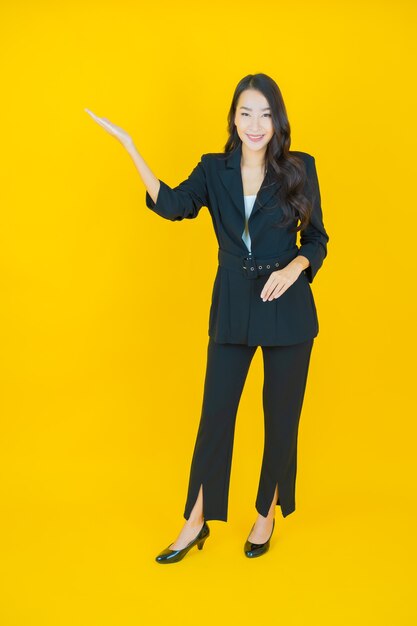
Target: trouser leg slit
{"type": "Point", "coordinates": [226, 372]}
{"type": "Point", "coordinates": [285, 378]}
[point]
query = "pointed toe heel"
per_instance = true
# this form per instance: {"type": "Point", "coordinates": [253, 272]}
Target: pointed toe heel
{"type": "Point", "coordinates": [253, 550]}
{"type": "Point", "coordinates": [173, 556]}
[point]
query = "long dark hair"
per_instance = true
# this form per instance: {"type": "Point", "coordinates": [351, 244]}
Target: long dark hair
{"type": "Point", "coordinates": [286, 168]}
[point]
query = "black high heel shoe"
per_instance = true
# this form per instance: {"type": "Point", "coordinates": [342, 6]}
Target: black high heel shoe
{"type": "Point", "coordinates": [257, 549]}
{"type": "Point", "coordinates": [172, 556]}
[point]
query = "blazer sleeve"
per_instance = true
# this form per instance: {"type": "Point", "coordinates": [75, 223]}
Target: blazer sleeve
{"type": "Point", "coordinates": [183, 201]}
{"type": "Point", "coordinates": [314, 238]}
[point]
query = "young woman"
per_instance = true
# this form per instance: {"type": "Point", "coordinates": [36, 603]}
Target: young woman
{"type": "Point", "coordinates": [257, 191]}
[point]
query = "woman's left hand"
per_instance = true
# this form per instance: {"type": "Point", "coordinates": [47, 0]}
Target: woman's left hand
{"type": "Point", "coordinates": [279, 281]}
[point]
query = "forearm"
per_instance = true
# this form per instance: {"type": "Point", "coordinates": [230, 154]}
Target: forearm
{"type": "Point", "coordinates": [149, 179]}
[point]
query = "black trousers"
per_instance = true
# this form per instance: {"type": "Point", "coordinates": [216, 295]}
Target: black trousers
{"type": "Point", "coordinates": [285, 377]}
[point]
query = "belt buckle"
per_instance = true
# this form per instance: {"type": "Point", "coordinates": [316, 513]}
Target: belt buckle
{"type": "Point", "coordinates": [249, 265]}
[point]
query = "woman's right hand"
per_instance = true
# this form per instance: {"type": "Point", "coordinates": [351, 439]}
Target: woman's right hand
{"type": "Point", "coordinates": [117, 132]}
{"type": "Point", "coordinates": [149, 179]}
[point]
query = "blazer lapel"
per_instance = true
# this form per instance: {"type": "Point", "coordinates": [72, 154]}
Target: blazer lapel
{"type": "Point", "coordinates": [232, 180]}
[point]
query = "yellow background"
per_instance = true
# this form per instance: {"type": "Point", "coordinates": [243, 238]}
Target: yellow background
{"type": "Point", "coordinates": [104, 315]}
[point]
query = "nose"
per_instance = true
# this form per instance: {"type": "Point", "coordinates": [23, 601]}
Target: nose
{"type": "Point", "coordinates": [255, 129]}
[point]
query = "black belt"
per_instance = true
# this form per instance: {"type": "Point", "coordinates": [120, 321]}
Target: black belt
{"type": "Point", "coordinates": [252, 267]}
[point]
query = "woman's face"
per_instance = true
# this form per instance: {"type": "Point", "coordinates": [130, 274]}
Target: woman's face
{"type": "Point", "coordinates": [253, 119]}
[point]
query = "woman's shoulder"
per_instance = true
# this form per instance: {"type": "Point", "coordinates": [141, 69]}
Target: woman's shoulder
{"type": "Point", "coordinates": [303, 155]}
{"type": "Point", "coordinates": [211, 156]}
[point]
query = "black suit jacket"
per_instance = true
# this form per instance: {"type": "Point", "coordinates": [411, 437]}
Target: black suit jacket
{"type": "Point", "coordinates": [237, 312]}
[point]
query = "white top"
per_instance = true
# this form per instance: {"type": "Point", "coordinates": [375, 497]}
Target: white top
{"type": "Point", "coordinates": [249, 202]}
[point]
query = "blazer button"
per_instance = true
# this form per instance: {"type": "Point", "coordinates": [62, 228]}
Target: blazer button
{"type": "Point", "coordinates": [260, 267]}
{"type": "Point", "coordinates": [268, 266]}
{"type": "Point", "coordinates": [276, 264]}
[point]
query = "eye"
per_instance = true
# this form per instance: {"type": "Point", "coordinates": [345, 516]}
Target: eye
{"type": "Point", "coordinates": [268, 114]}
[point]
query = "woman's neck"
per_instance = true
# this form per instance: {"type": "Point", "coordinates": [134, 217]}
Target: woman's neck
{"type": "Point", "coordinates": [252, 159]}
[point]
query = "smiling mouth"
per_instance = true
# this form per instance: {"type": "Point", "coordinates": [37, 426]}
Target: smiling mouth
{"type": "Point", "coordinates": [255, 137]}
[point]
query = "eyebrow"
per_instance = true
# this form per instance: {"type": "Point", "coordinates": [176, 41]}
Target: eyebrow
{"type": "Point", "coordinates": [265, 109]}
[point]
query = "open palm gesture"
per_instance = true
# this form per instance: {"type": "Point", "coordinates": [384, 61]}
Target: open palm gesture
{"type": "Point", "coordinates": [117, 132]}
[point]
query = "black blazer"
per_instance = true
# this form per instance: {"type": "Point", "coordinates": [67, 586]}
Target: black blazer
{"type": "Point", "coordinates": [237, 312]}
